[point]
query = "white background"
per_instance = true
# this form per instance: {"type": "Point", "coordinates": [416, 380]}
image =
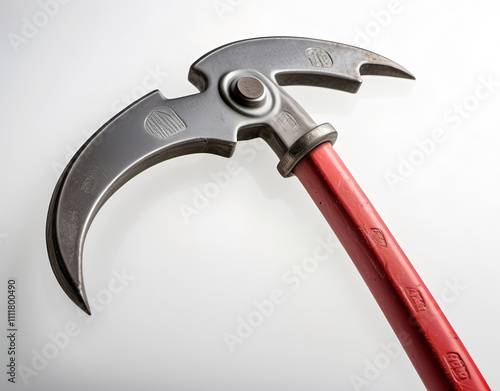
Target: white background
{"type": "Point", "coordinates": [190, 280]}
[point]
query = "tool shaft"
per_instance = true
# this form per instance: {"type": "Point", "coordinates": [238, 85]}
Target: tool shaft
{"type": "Point", "coordinates": [429, 340]}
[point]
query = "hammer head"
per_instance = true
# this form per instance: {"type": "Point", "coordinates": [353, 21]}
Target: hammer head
{"type": "Point", "coordinates": [240, 98]}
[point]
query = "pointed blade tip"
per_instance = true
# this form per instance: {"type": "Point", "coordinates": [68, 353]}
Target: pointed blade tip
{"type": "Point", "coordinates": [74, 290]}
{"type": "Point", "coordinates": [78, 296]}
{"type": "Point", "coordinates": [84, 305]}
{"type": "Point", "coordinates": [406, 74]}
{"type": "Point", "coordinates": [385, 68]}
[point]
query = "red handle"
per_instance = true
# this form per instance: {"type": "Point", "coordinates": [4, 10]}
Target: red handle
{"type": "Point", "coordinates": [432, 345]}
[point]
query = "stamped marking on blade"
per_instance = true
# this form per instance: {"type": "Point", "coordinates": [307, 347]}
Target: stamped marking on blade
{"type": "Point", "coordinates": [416, 298]}
{"type": "Point", "coordinates": [287, 121]}
{"type": "Point", "coordinates": [163, 123]}
{"type": "Point", "coordinates": [89, 184]}
{"type": "Point", "coordinates": [319, 58]}
{"type": "Point", "coordinates": [457, 366]}
{"type": "Point", "coordinates": [92, 179]}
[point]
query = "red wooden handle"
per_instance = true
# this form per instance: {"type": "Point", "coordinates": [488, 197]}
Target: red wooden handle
{"type": "Point", "coordinates": [432, 345]}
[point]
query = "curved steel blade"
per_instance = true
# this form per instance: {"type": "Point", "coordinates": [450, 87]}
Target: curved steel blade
{"type": "Point", "coordinates": [151, 130]}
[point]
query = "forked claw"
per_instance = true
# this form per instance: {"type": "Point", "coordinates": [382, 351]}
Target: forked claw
{"type": "Point", "coordinates": [297, 61]}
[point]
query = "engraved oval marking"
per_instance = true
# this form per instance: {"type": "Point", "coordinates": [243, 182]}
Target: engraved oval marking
{"type": "Point", "coordinates": [319, 58]}
{"type": "Point", "coordinates": [163, 122]}
{"type": "Point", "coordinates": [416, 299]}
{"type": "Point", "coordinates": [378, 236]}
{"type": "Point", "coordinates": [457, 366]}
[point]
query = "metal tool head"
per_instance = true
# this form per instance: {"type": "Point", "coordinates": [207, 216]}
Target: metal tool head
{"type": "Point", "coordinates": [240, 98]}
